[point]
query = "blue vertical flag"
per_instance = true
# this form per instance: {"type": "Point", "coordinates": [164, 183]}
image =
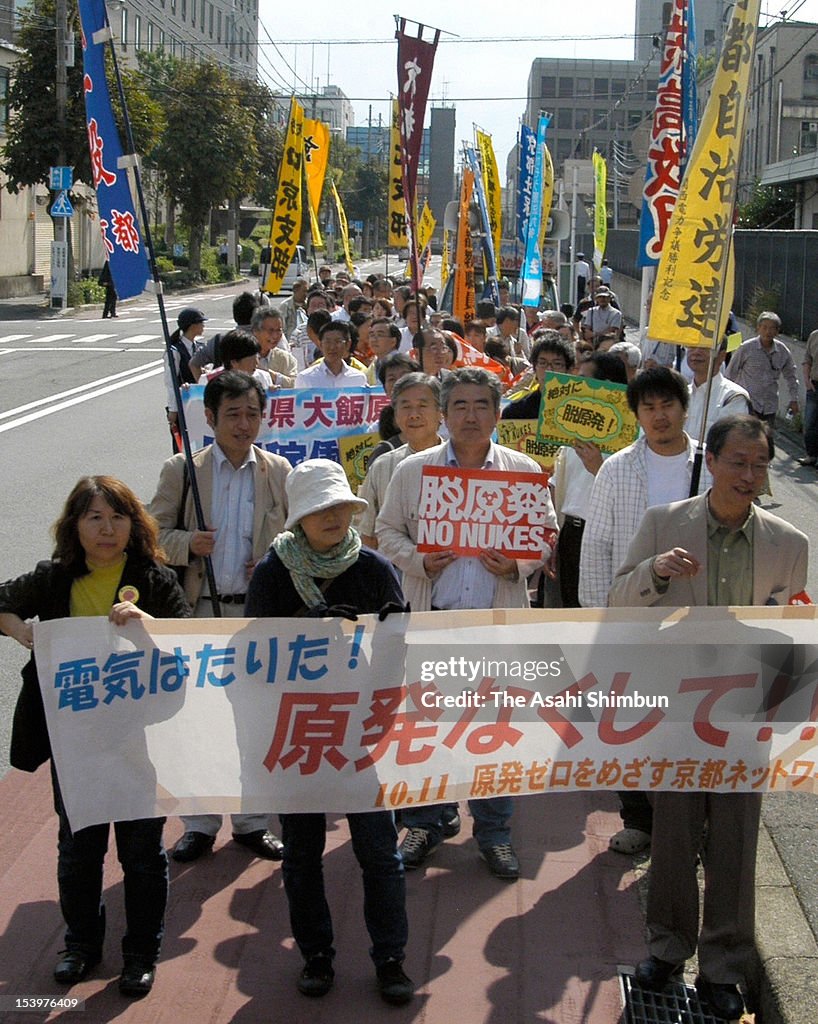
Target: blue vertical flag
{"type": "Point", "coordinates": [117, 215]}
{"type": "Point", "coordinates": [528, 151]}
{"type": "Point", "coordinates": [491, 289]}
{"type": "Point", "coordinates": [532, 265]}
{"type": "Point", "coordinates": [690, 110]}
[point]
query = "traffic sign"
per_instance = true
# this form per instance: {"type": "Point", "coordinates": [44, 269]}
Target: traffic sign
{"type": "Point", "coordinates": [60, 178]}
{"type": "Point", "coordinates": [62, 206]}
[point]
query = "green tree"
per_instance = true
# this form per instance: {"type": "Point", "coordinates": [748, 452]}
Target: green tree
{"type": "Point", "coordinates": [207, 146]}
{"type": "Point", "coordinates": [34, 140]}
{"type": "Point", "coordinates": [771, 206]}
{"type": "Point", "coordinates": [268, 141]}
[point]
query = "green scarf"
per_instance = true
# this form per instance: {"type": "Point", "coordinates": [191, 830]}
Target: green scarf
{"type": "Point", "coordinates": [305, 563]}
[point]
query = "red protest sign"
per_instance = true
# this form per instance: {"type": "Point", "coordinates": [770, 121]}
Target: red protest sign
{"type": "Point", "coordinates": [470, 510]}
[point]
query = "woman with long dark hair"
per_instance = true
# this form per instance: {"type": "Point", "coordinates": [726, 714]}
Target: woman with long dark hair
{"type": "Point", "coordinates": [106, 561]}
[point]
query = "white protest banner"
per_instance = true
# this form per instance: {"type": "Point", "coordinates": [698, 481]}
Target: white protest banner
{"type": "Point", "coordinates": [230, 715]}
{"type": "Point", "coordinates": [299, 424]}
{"type": "Point", "coordinates": [469, 510]}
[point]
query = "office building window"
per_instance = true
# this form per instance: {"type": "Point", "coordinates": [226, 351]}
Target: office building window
{"type": "Point", "coordinates": [583, 87]}
{"type": "Point", "coordinates": [548, 86]}
{"type": "Point", "coordinates": [600, 88]}
{"type": "Point", "coordinates": [582, 119]}
{"type": "Point", "coordinates": [137, 31]}
{"type": "Point", "coordinates": [202, 16]}
{"type": "Point", "coordinates": [618, 86]}
{"type": "Point", "coordinates": [809, 137]}
{"type": "Point", "coordinates": [184, 10]}
{"type": "Point", "coordinates": [4, 99]}
{"type": "Point", "coordinates": [210, 20]}
{"type": "Point", "coordinates": [565, 118]}
{"type": "Point", "coordinates": [150, 36]}
{"type": "Point", "coordinates": [218, 26]}
{"type": "Point", "coordinates": [123, 28]}
{"type": "Point", "coordinates": [600, 118]}
{"type": "Point", "coordinates": [811, 76]}
{"type": "Point", "coordinates": [566, 87]}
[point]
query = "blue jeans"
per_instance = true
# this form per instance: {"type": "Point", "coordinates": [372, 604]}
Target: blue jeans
{"type": "Point", "coordinates": [145, 880]}
{"type": "Point", "coordinates": [491, 820]}
{"type": "Point", "coordinates": [811, 424]}
{"type": "Point", "coordinates": [375, 844]}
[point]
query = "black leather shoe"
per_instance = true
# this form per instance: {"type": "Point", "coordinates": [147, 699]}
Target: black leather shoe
{"type": "Point", "coordinates": [73, 966]}
{"type": "Point", "coordinates": [653, 973]}
{"type": "Point", "coordinates": [393, 985]}
{"type": "Point", "coordinates": [262, 843]}
{"type": "Point", "coordinates": [502, 861]}
{"type": "Point", "coordinates": [317, 977]}
{"type": "Point", "coordinates": [724, 1000]}
{"type": "Point", "coordinates": [192, 845]}
{"type": "Point", "coordinates": [137, 976]}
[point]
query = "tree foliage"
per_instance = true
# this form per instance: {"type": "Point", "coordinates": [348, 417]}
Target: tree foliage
{"type": "Point", "coordinates": [33, 139]}
{"type": "Point", "coordinates": [771, 206]}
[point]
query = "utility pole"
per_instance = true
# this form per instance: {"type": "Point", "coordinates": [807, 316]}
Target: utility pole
{"type": "Point", "coordinates": [61, 227]}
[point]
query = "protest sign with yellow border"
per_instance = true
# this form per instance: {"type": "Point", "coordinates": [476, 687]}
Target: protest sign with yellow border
{"type": "Point", "coordinates": [355, 451]}
{"type": "Point", "coordinates": [583, 409]}
{"type": "Point", "coordinates": [521, 436]}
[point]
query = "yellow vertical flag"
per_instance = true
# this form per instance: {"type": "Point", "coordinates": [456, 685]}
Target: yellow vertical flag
{"type": "Point", "coordinates": [285, 229]}
{"type": "Point", "coordinates": [547, 193]}
{"type": "Point", "coordinates": [426, 227]}
{"type": "Point", "coordinates": [491, 182]}
{"type": "Point", "coordinates": [463, 304]}
{"type": "Point", "coordinates": [600, 207]}
{"type": "Point", "coordinates": [342, 221]}
{"type": "Point", "coordinates": [316, 157]}
{"type": "Point", "coordinates": [397, 201]}
{"type": "Point", "coordinates": [693, 280]}
{"type": "Point", "coordinates": [444, 263]}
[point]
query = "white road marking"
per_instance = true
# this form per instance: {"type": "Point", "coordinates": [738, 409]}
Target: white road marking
{"type": "Point", "coordinates": [50, 337]}
{"type": "Point", "coordinates": [93, 389]}
{"type": "Point", "coordinates": [137, 339]}
{"type": "Point", "coordinates": [14, 337]}
{"type": "Point", "coordinates": [92, 337]}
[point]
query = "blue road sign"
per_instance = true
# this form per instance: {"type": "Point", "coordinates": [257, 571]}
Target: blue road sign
{"type": "Point", "coordinates": [60, 178]}
{"type": "Point", "coordinates": [62, 206]}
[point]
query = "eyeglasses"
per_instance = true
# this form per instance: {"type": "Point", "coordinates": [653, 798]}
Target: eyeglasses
{"type": "Point", "coordinates": [551, 364]}
{"type": "Point", "coordinates": [756, 468]}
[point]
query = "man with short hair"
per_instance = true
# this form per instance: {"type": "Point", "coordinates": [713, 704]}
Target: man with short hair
{"type": "Point", "coordinates": [335, 341]}
{"type": "Point", "coordinates": [349, 292]}
{"type": "Point", "coordinates": [630, 354]}
{"type": "Point", "coordinates": [550, 354]}
{"type": "Point", "coordinates": [655, 470]}
{"type": "Point", "coordinates": [714, 550]}
{"type": "Point", "coordinates": [507, 326]}
{"type": "Point", "coordinates": [245, 505]}
{"type": "Point", "coordinates": [244, 305]}
{"type": "Point", "coordinates": [601, 320]}
{"type": "Point", "coordinates": [810, 365]}
{"type": "Point", "coordinates": [268, 329]}
{"type": "Point", "coordinates": [470, 400]}
{"type": "Point", "coordinates": [726, 397]}
{"type": "Point", "coordinates": [757, 365]}
{"type": "Point", "coordinates": [293, 309]}
{"type": "Point", "coordinates": [384, 337]}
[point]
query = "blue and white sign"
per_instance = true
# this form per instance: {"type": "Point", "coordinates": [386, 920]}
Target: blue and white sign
{"type": "Point", "coordinates": [62, 206]}
{"type": "Point", "coordinates": [60, 179]}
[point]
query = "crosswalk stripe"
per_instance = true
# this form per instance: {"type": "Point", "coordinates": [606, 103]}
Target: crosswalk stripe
{"type": "Point", "coordinates": [49, 337]}
{"type": "Point", "coordinates": [137, 339]}
{"type": "Point", "coordinates": [14, 337]}
{"type": "Point", "coordinates": [93, 337]}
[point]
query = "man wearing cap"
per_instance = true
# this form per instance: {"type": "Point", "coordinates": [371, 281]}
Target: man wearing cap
{"type": "Point", "coordinates": [601, 320]}
{"type": "Point", "coordinates": [184, 343]}
{"type": "Point", "coordinates": [318, 566]}
{"type": "Point", "coordinates": [245, 506]}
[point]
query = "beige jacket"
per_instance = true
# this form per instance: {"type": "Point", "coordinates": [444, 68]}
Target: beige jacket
{"type": "Point", "coordinates": [270, 509]}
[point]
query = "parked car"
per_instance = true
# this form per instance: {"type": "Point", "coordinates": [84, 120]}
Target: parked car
{"type": "Point", "coordinates": [298, 268]}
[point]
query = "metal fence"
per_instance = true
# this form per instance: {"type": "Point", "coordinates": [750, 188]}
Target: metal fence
{"type": "Point", "coordinates": [783, 264]}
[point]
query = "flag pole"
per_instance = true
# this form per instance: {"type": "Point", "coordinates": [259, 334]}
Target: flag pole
{"type": "Point", "coordinates": [131, 161]}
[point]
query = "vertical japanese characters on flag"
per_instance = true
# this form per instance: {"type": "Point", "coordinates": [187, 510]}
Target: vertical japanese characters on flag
{"type": "Point", "coordinates": [525, 186]}
{"type": "Point", "coordinates": [342, 222]}
{"type": "Point", "coordinates": [663, 171]}
{"type": "Point", "coordinates": [547, 195]}
{"type": "Point", "coordinates": [286, 227]}
{"type": "Point", "coordinates": [491, 289]}
{"type": "Point", "coordinates": [117, 213]}
{"type": "Point", "coordinates": [463, 305]}
{"type": "Point", "coordinates": [397, 202]}
{"type": "Point", "coordinates": [491, 183]}
{"type": "Point", "coordinates": [416, 59]}
{"type": "Point", "coordinates": [426, 227]}
{"type": "Point", "coordinates": [600, 207]}
{"type": "Point", "coordinates": [532, 265]}
{"type": "Point", "coordinates": [689, 306]}
{"type": "Point", "coordinates": [316, 156]}
{"type": "Point", "coordinates": [690, 96]}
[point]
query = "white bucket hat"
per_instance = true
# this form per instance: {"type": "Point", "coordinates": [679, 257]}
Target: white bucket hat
{"type": "Point", "coordinates": [315, 485]}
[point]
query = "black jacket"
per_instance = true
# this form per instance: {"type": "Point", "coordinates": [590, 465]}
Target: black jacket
{"type": "Point", "coordinates": [46, 593]}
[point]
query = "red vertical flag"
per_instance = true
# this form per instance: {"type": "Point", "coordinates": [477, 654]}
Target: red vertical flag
{"type": "Point", "coordinates": [416, 58]}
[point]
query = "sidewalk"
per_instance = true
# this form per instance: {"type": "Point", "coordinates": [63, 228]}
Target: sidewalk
{"type": "Point", "coordinates": [543, 949]}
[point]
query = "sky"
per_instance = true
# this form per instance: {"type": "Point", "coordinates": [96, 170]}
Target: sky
{"type": "Point", "coordinates": [484, 78]}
